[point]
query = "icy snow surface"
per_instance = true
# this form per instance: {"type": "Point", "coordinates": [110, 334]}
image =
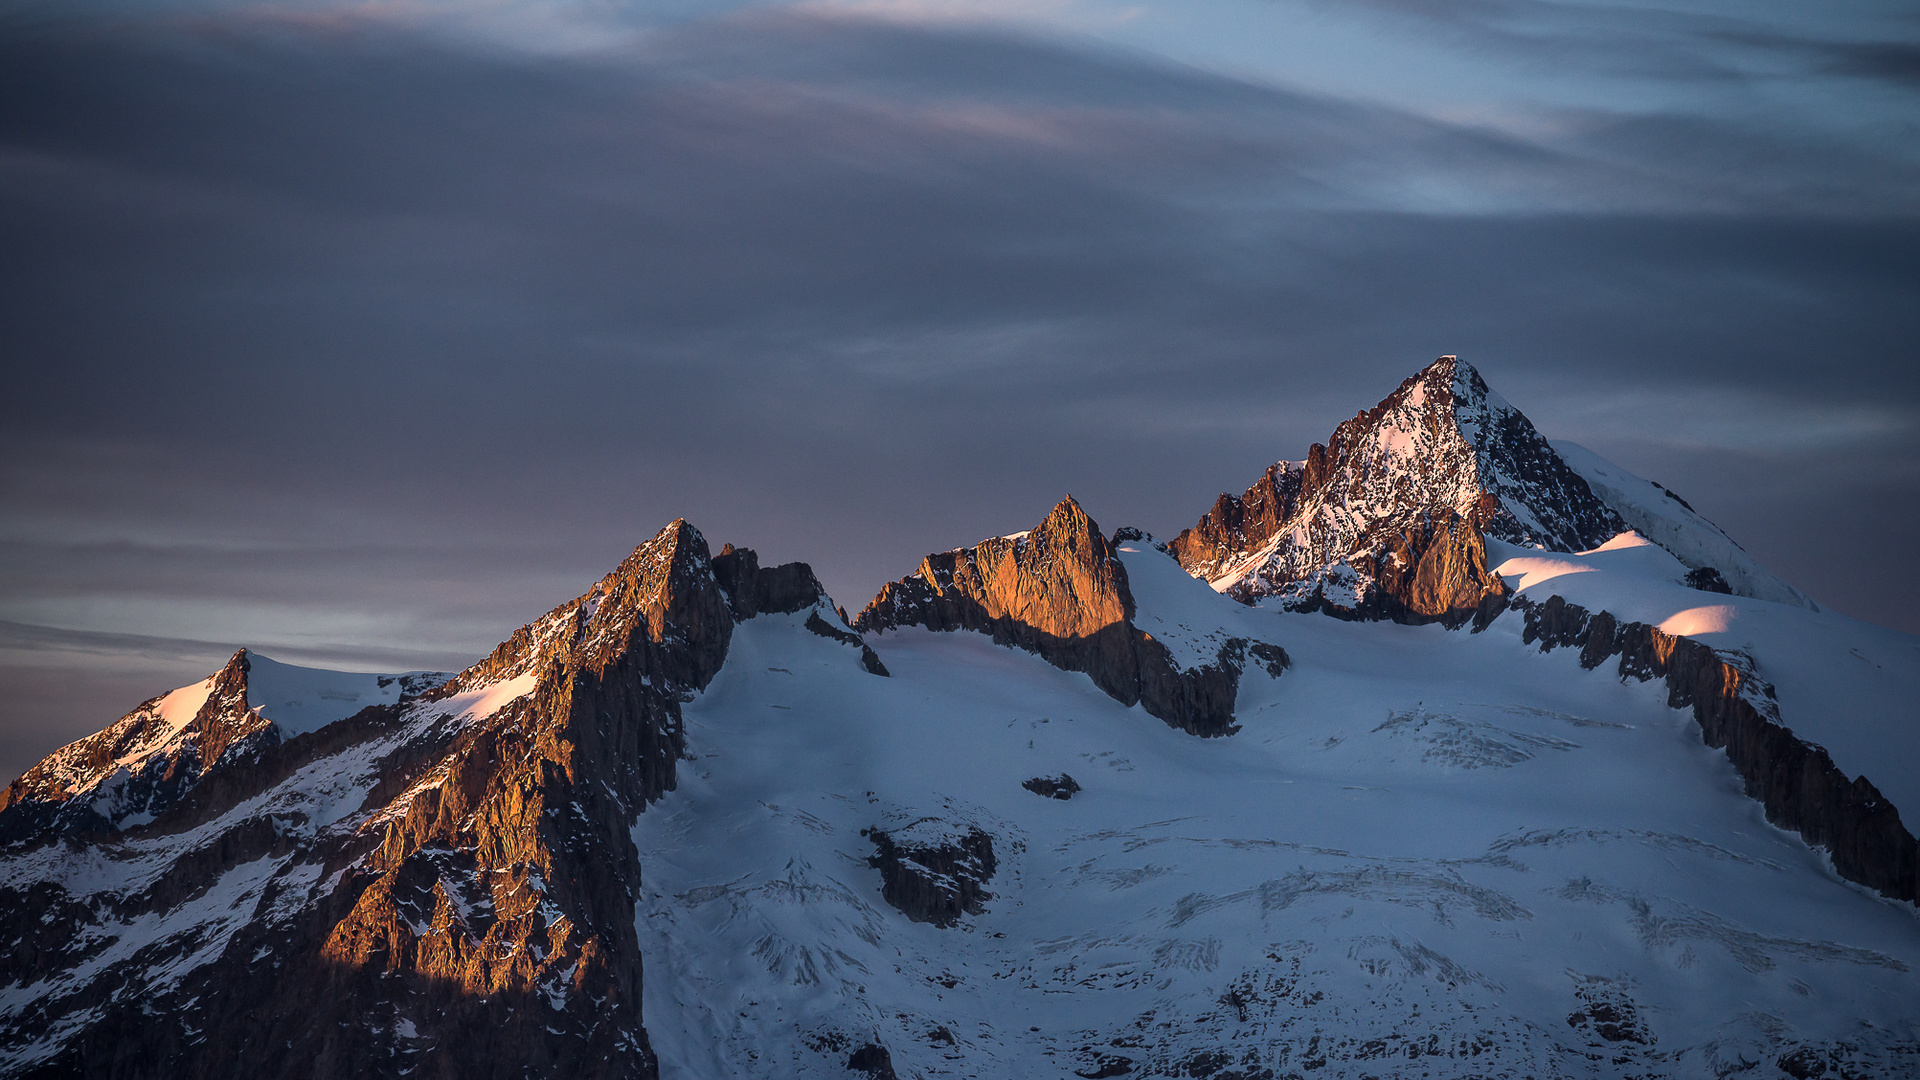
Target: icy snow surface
{"type": "Point", "coordinates": [1427, 852]}
{"type": "Point", "coordinates": [303, 699]}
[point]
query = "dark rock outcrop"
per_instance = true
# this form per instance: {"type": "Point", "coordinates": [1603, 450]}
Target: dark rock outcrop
{"type": "Point", "coordinates": [873, 1061]}
{"type": "Point", "coordinates": [1708, 579]}
{"type": "Point", "coordinates": [1060, 591]}
{"type": "Point", "coordinates": [1432, 572]}
{"type": "Point", "coordinates": [785, 589]}
{"type": "Point", "coordinates": [755, 590]}
{"type": "Point", "coordinates": [933, 877]}
{"type": "Point", "coordinates": [1272, 657]}
{"type": "Point", "coordinates": [1795, 781]}
{"type": "Point", "coordinates": [868, 658]}
{"type": "Point", "coordinates": [1062, 787]}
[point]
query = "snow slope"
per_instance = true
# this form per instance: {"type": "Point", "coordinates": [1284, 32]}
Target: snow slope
{"type": "Point", "coordinates": [1847, 685]}
{"type": "Point", "coordinates": [1426, 853]}
{"type": "Point", "coordinates": [303, 699]}
{"type": "Point", "coordinates": [1667, 520]}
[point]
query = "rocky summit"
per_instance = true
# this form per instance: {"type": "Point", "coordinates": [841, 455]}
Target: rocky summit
{"type": "Point", "coordinates": [1568, 785]}
{"type": "Point", "coordinates": [1387, 518]}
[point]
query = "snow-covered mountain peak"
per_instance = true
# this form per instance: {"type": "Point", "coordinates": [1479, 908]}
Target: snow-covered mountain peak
{"type": "Point", "coordinates": [665, 587]}
{"type": "Point", "coordinates": [1446, 442]}
{"type": "Point", "coordinates": [1390, 516]}
{"type": "Point", "coordinates": [1343, 530]}
{"type": "Point", "coordinates": [137, 768]}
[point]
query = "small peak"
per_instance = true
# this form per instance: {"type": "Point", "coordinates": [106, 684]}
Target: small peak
{"type": "Point", "coordinates": [1068, 506]}
{"type": "Point", "coordinates": [1067, 516]}
{"type": "Point", "coordinates": [1443, 369]}
{"type": "Point", "coordinates": [1457, 375]}
{"type": "Point", "coordinates": [676, 541]}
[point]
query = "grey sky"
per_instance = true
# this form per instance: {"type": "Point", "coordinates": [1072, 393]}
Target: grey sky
{"type": "Point", "coordinates": [364, 333]}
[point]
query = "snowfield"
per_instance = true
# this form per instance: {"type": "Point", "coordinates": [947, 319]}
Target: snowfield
{"type": "Point", "coordinates": [1425, 853]}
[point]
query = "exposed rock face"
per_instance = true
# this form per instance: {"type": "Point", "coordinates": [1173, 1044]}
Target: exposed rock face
{"type": "Point", "coordinates": [1062, 787]}
{"type": "Point", "coordinates": [164, 751]}
{"type": "Point", "coordinates": [139, 767]}
{"type": "Point", "coordinates": [1060, 591]}
{"type": "Point", "coordinates": [441, 886]}
{"type": "Point", "coordinates": [1797, 782]}
{"type": "Point", "coordinates": [931, 874]}
{"type": "Point", "coordinates": [785, 589]}
{"type": "Point", "coordinates": [868, 658]}
{"type": "Point", "coordinates": [752, 590]}
{"type": "Point", "coordinates": [1388, 518]}
{"type": "Point", "coordinates": [1059, 588]}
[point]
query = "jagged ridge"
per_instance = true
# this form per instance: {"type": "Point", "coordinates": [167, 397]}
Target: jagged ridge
{"type": "Point", "coordinates": [167, 747]}
{"type": "Point", "coordinates": [476, 907]}
{"type": "Point", "coordinates": [1060, 591]}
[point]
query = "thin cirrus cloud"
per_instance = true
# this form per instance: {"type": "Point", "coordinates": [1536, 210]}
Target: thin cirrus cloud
{"type": "Point", "coordinates": [360, 332]}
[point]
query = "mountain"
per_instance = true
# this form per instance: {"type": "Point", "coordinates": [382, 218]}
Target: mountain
{"type": "Point", "coordinates": [1389, 516]}
{"type": "Point", "coordinates": [1540, 800]}
{"type": "Point", "coordinates": [154, 756]}
{"type": "Point", "coordinates": [446, 873]}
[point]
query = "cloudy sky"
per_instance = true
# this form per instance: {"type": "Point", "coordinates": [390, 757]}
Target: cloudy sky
{"type": "Point", "coordinates": [361, 332]}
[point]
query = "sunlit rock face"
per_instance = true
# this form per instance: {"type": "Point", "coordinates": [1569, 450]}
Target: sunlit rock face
{"type": "Point", "coordinates": [447, 873]}
{"type": "Point", "coordinates": [1387, 519]}
{"type": "Point", "coordinates": [1060, 590]}
{"type": "Point", "coordinates": [167, 749]}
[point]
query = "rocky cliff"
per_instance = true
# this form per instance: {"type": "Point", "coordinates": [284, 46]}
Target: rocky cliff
{"type": "Point", "coordinates": [1796, 781]}
{"type": "Point", "coordinates": [1388, 518]}
{"type": "Point", "coordinates": [1060, 591]}
{"type": "Point", "coordinates": [441, 886]}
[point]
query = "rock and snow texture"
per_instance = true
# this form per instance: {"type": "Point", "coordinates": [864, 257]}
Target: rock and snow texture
{"type": "Point", "coordinates": [1386, 519]}
{"type": "Point", "coordinates": [1425, 853]}
{"type": "Point", "coordinates": [1442, 458]}
{"type": "Point", "coordinates": [444, 877]}
{"type": "Point", "coordinates": [1414, 850]}
{"type": "Point", "coordinates": [1667, 520]}
{"type": "Point", "coordinates": [150, 759]}
{"type": "Point", "coordinates": [1845, 685]}
{"type": "Point", "coordinates": [1061, 591]}
{"type": "Point", "coordinates": [1443, 504]}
